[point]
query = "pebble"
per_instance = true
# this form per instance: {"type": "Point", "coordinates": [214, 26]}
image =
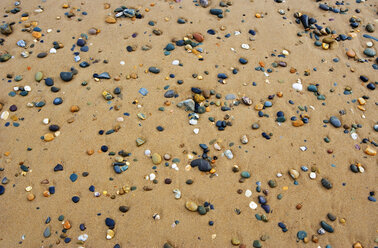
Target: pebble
{"type": "Point", "coordinates": [203, 165]}
{"type": "Point", "coordinates": [156, 158]}
{"type": "Point", "coordinates": [191, 206]}
{"type": "Point", "coordinates": [47, 232]}
{"type": "Point", "coordinates": [66, 76]}
{"type": "Point", "coordinates": [335, 121]}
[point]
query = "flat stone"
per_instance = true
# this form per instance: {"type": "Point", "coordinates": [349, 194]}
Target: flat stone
{"type": "Point", "coordinates": [245, 174]}
{"type": "Point", "coordinates": [38, 76]}
{"type": "Point", "coordinates": [66, 76]}
{"type": "Point", "coordinates": [110, 20]}
{"type": "Point", "coordinates": [191, 206]}
{"type": "Point", "coordinates": [326, 184]}
{"type": "Point", "coordinates": [370, 52]}
{"type": "Point", "coordinates": [257, 244]}
{"type": "Point", "coordinates": [47, 232]}
{"type": "Point", "coordinates": [203, 165]}
{"type": "Point", "coordinates": [326, 226]}
{"type": "Point", "coordinates": [235, 241]}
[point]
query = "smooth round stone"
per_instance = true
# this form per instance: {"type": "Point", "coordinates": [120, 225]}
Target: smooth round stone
{"type": "Point", "coordinates": [75, 199]}
{"type": "Point", "coordinates": [272, 183]}
{"type": "Point", "coordinates": [301, 235]}
{"type": "Point", "coordinates": [154, 70]}
{"type": "Point", "coordinates": [376, 127]}
{"type": "Point", "coordinates": [124, 209]}
{"type": "Point", "coordinates": [73, 177]}
{"type": "Point", "coordinates": [335, 121]}
{"type": "Point", "coordinates": [189, 182]}
{"type": "Point", "coordinates": [235, 241]}
{"type": "Point", "coordinates": [18, 78]}
{"type": "Point", "coordinates": [41, 55]}
{"type": "Point", "coordinates": [13, 108]}
{"type": "Point", "coordinates": [331, 217]}
{"type": "Point", "coordinates": [257, 244]}
{"type": "Point", "coordinates": [245, 174]}
{"type": "Point", "coordinates": [255, 126]}
{"type": "Point", "coordinates": [243, 61]}
{"type": "Point", "coordinates": [81, 42]}
{"type": "Point", "coordinates": [38, 76]}
{"type": "Point", "coordinates": [350, 53]}
{"type": "Point", "coordinates": [110, 223]}
{"type": "Point", "coordinates": [92, 31]}
{"type": "Point", "coordinates": [2, 189]}
{"type": "Point", "coordinates": [370, 28]}
{"type": "Point", "coordinates": [326, 184]}
{"type": "Point", "coordinates": [326, 226]}
{"type": "Point", "coordinates": [156, 158]}
{"type": "Point", "coordinates": [370, 52]}
{"type": "Point", "coordinates": [58, 101]}
{"type": "Point", "coordinates": [66, 76]}
{"type": "Point", "coordinates": [49, 82]}
{"type": "Point", "coordinates": [268, 104]}
{"type": "Point", "coordinates": [370, 86]}
{"type": "Point", "coordinates": [170, 47]}
{"type": "Point", "coordinates": [312, 88]}
{"type": "Point", "coordinates": [47, 232]}
{"type": "Point", "coordinates": [54, 128]}
{"type": "Point", "coordinates": [201, 210]}
{"type": "Point", "coordinates": [191, 206]}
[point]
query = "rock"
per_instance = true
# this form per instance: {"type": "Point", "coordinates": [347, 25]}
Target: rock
{"type": "Point", "coordinates": [123, 209]}
{"type": "Point", "coordinates": [244, 139]}
{"type": "Point", "coordinates": [312, 88]}
{"type": "Point", "coordinates": [170, 47]}
{"type": "Point", "coordinates": [326, 184]}
{"type": "Point", "coordinates": [110, 20]}
{"type": "Point", "coordinates": [331, 217]}
{"type": "Point", "coordinates": [156, 158]}
{"type": "Point", "coordinates": [216, 11]}
{"type": "Point", "coordinates": [189, 104]}
{"type": "Point", "coordinates": [167, 245]}
{"type": "Point", "coordinates": [140, 141]}
{"type": "Point", "coordinates": [203, 165]}
{"type": "Point", "coordinates": [5, 57]}
{"type": "Point", "coordinates": [272, 183]}
{"type": "Point", "coordinates": [335, 121]}
{"type": "Point", "coordinates": [370, 52]}
{"type": "Point", "coordinates": [103, 75]}
{"type": "Point", "coordinates": [294, 173]}
{"type": "Point", "coordinates": [204, 3]}
{"type": "Point", "coordinates": [191, 206]}
{"type": "Point", "coordinates": [110, 223]}
{"type": "Point", "coordinates": [66, 76]}
{"type": "Point", "coordinates": [350, 53]}
{"type": "Point", "coordinates": [301, 235]}
{"type": "Point", "coordinates": [47, 232]}
{"type": "Point", "coordinates": [109, 234]}
{"type": "Point", "coordinates": [326, 226]}
{"type": "Point", "coordinates": [38, 76]}
{"type": "Point", "coordinates": [198, 37]}
{"type": "Point", "coordinates": [48, 137]}
{"type": "Point", "coordinates": [257, 244]}
{"type": "Point", "coordinates": [154, 70]}
{"type": "Point", "coordinates": [2, 189]}
{"type": "Point", "coordinates": [31, 197]}
{"type": "Point", "coordinates": [235, 241]}
{"type": "Point", "coordinates": [6, 29]}
{"type": "Point", "coordinates": [246, 100]}
{"type": "Point", "coordinates": [370, 28]}
{"type": "Point", "coordinates": [41, 55]}
{"type": "Point", "coordinates": [370, 151]}
{"type": "Point", "coordinates": [169, 94]}
{"type": "Point", "coordinates": [245, 174]}
{"type": "Point", "coordinates": [201, 210]}
{"type": "Point", "coordinates": [228, 154]}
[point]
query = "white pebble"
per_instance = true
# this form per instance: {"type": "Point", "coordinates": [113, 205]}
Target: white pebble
{"type": "Point", "coordinates": [196, 130]}
{"type": "Point", "coordinates": [361, 169]}
{"type": "Point", "coordinates": [369, 44]}
{"type": "Point", "coordinates": [354, 136]}
{"type": "Point", "coordinates": [312, 175]}
{"type": "Point", "coordinates": [46, 121]}
{"type": "Point", "coordinates": [120, 119]}
{"type": "Point", "coordinates": [4, 115]}
{"type": "Point", "coordinates": [175, 62]}
{"type": "Point", "coordinates": [217, 147]}
{"type": "Point", "coordinates": [252, 205]}
{"type": "Point", "coordinates": [248, 193]}
{"type": "Point", "coordinates": [57, 133]}
{"type": "Point", "coordinates": [190, 156]}
{"type": "Point", "coordinates": [49, 30]}
{"type": "Point", "coordinates": [285, 52]}
{"type": "Point", "coordinates": [237, 32]}
{"type": "Point", "coordinates": [229, 154]}
{"type": "Point", "coordinates": [147, 152]}
{"type": "Point", "coordinates": [279, 175]}
{"type": "Point", "coordinates": [193, 122]}
{"type": "Point", "coordinates": [52, 50]}
{"type": "Point", "coordinates": [27, 88]}
{"type": "Point", "coordinates": [16, 88]}
{"type": "Point", "coordinates": [174, 166]}
{"type": "Point", "coordinates": [122, 62]}
{"type": "Point", "coordinates": [245, 46]}
{"type": "Point", "coordinates": [152, 176]}
{"type": "Point", "coordinates": [83, 237]}
{"type": "Point", "coordinates": [303, 148]}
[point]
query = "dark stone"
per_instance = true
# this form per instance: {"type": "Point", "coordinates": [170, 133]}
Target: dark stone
{"type": "Point", "coordinates": [66, 76]}
{"type": "Point", "coordinates": [41, 55]}
{"type": "Point", "coordinates": [326, 184]}
{"type": "Point", "coordinates": [203, 165]}
{"type": "Point", "coordinates": [326, 226]}
{"type": "Point", "coordinates": [110, 223]}
{"type": "Point", "coordinates": [124, 209]}
{"type": "Point", "coordinates": [54, 128]}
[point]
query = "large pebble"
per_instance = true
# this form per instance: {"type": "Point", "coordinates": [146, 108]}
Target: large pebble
{"type": "Point", "coordinates": [335, 121]}
{"type": "Point", "coordinates": [203, 165]}
{"type": "Point", "coordinates": [156, 158]}
{"type": "Point", "coordinates": [191, 206]}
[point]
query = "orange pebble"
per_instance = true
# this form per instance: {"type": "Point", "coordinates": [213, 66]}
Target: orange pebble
{"type": "Point", "coordinates": [207, 109]}
{"type": "Point", "coordinates": [90, 152]}
{"type": "Point", "coordinates": [147, 9]}
{"type": "Point", "coordinates": [29, 68]}
{"type": "Point", "coordinates": [361, 108]}
{"type": "Point", "coordinates": [6, 153]}
{"type": "Point", "coordinates": [31, 197]}
{"type": "Point", "coordinates": [279, 94]}
{"type": "Point", "coordinates": [298, 123]}
{"type": "Point", "coordinates": [36, 35]}
{"type": "Point", "coordinates": [46, 193]}
{"type": "Point", "coordinates": [152, 4]}
{"type": "Point", "coordinates": [65, 6]}
{"type": "Point", "coordinates": [258, 15]}
{"type": "Point", "coordinates": [167, 103]}
{"type": "Point", "coordinates": [212, 171]}
{"type": "Point", "coordinates": [66, 225]}
{"type": "Point", "coordinates": [261, 64]}
{"type": "Point", "coordinates": [74, 108]}
{"type": "Point", "coordinates": [24, 18]}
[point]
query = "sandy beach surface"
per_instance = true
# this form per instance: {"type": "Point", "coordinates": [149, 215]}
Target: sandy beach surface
{"type": "Point", "coordinates": [274, 145]}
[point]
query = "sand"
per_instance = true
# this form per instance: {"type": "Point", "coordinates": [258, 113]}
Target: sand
{"type": "Point", "coordinates": [23, 221]}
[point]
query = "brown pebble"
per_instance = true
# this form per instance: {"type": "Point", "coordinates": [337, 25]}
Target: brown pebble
{"type": "Point", "coordinates": [239, 191]}
{"type": "Point", "coordinates": [198, 37]}
{"type": "Point", "coordinates": [168, 181]}
{"type": "Point", "coordinates": [330, 151]}
{"type": "Point", "coordinates": [45, 181]}
{"type": "Point", "coordinates": [299, 206]}
{"type": "Point", "coordinates": [242, 246]}
{"type": "Point", "coordinates": [74, 108]}
{"type": "Point", "coordinates": [315, 239]}
{"type": "Point", "coordinates": [90, 152]}
{"type": "Point", "coordinates": [31, 197]}
{"type": "Point", "coordinates": [350, 53]}
{"type": "Point", "coordinates": [110, 20]}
